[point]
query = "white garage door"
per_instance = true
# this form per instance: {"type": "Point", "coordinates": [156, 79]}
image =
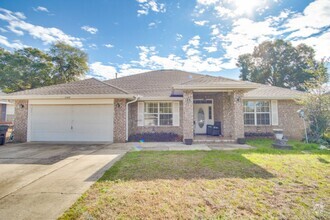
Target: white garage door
{"type": "Point", "coordinates": [71, 123]}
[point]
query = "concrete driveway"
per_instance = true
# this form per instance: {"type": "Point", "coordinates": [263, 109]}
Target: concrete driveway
{"type": "Point", "coordinates": [40, 180]}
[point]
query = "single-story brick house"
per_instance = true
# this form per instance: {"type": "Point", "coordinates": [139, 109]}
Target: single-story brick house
{"type": "Point", "coordinates": [168, 101]}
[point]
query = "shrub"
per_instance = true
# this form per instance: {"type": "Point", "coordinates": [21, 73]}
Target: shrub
{"type": "Point", "coordinates": [155, 137]}
{"type": "Point", "coordinates": [252, 135]}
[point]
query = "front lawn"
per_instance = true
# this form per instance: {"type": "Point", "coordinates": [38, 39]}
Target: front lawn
{"type": "Point", "coordinates": [262, 183]}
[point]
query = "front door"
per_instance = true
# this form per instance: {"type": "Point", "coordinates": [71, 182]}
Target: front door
{"type": "Point", "coordinates": [203, 116]}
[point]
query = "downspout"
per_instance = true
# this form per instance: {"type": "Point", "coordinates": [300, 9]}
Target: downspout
{"type": "Point", "coordinates": [136, 98]}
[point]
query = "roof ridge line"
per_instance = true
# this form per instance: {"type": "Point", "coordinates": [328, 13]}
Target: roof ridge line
{"type": "Point", "coordinates": [202, 76]}
{"type": "Point", "coordinates": [108, 84]}
{"type": "Point", "coordinates": [150, 71]}
{"type": "Point", "coordinates": [236, 80]}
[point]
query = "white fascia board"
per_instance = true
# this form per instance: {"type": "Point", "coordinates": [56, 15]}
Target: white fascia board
{"type": "Point", "coordinates": [213, 87]}
{"type": "Point", "coordinates": [160, 98]}
{"type": "Point", "coordinates": [87, 96]}
{"type": "Point", "coordinates": [214, 90]}
{"type": "Point", "coordinates": [269, 98]}
{"type": "Point", "coordinates": [71, 101]}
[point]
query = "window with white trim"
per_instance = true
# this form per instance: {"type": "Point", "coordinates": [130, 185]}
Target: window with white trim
{"type": "Point", "coordinates": [256, 112]}
{"type": "Point", "coordinates": [158, 113]}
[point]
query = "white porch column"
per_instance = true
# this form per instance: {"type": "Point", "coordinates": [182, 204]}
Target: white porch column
{"type": "Point", "coordinates": [188, 116]}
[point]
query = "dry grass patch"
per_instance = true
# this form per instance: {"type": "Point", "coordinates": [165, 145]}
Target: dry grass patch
{"type": "Point", "coordinates": [245, 184]}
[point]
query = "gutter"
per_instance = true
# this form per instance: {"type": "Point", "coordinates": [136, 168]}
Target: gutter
{"type": "Point", "coordinates": [136, 98]}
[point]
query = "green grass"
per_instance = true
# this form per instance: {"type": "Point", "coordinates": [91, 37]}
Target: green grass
{"type": "Point", "coordinates": [261, 183]}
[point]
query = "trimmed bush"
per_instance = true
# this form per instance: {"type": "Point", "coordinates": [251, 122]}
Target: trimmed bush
{"type": "Point", "coordinates": [258, 135]}
{"type": "Point", "coordinates": [155, 137]}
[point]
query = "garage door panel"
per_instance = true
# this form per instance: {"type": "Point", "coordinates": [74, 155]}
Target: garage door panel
{"type": "Point", "coordinates": [50, 122]}
{"type": "Point", "coordinates": [71, 123]}
{"type": "Point", "coordinates": [92, 123]}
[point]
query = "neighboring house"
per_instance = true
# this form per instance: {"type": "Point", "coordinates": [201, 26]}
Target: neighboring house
{"type": "Point", "coordinates": [6, 110]}
{"type": "Point", "coordinates": [158, 101]}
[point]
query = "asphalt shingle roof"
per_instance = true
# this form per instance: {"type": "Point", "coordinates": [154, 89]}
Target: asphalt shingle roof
{"type": "Point", "coordinates": [153, 83]}
{"type": "Point", "coordinates": [267, 92]}
{"type": "Point", "coordinates": [160, 83]}
{"type": "Point", "coordinates": [88, 86]}
{"type": "Point", "coordinates": [217, 81]}
{"type": "Point", "coordinates": [156, 84]}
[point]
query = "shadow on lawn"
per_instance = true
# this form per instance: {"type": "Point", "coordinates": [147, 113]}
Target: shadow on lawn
{"type": "Point", "coordinates": [146, 166]}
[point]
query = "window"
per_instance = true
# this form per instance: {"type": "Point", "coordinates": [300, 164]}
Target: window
{"type": "Point", "coordinates": [256, 113]}
{"type": "Point", "coordinates": [158, 113]}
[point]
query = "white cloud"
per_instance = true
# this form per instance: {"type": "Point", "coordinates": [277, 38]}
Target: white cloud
{"type": "Point", "coordinates": [191, 48]}
{"type": "Point", "coordinates": [234, 8]}
{"type": "Point", "coordinates": [320, 43]}
{"type": "Point", "coordinates": [310, 27]}
{"type": "Point", "coordinates": [150, 5]}
{"type": "Point", "coordinates": [215, 30]}
{"type": "Point", "coordinates": [194, 41]}
{"type": "Point", "coordinates": [109, 45]}
{"type": "Point", "coordinates": [48, 35]}
{"type": "Point", "coordinates": [210, 49]}
{"type": "Point", "coordinates": [92, 46]}
{"type": "Point", "coordinates": [16, 44]}
{"type": "Point", "coordinates": [127, 69]}
{"type": "Point", "coordinates": [154, 24]}
{"type": "Point", "coordinates": [91, 30]}
{"type": "Point", "coordinates": [201, 23]}
{"type": "Point", "coordinates": [20, 15]}
{"type": "Point", "coordinates": [178, 37]}
{"type": "Point", "coordinates": [224, 12]}
{"type": "Point", "coordinates": [314, 19]}
{"type": "Point", "coordinates": [192, 61]}
{"type": "Point", "coordinates": [41, 8]}
{"type": "Point", "coordinates": [207, 2]}
{"type": "Point", "coordinates": [3, 30]}
{"type": "Point", "coordinates": [101, 71]}
{"type": "Point", "coordinates": [244, 36]}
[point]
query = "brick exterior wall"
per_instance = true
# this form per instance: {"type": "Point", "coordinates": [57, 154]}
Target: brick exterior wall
{"type": "Point", "coordinates": [228, 116]}
{"type": "Point", "coordinates": [288, 120]}
{"type": "Point", "coordinates": [233, 123]}
{"type": "Point", "coordinates": [21, 120]}
{"type": "Point", "coordinates": [188, 115]}
{"type": "Point", "coordinates": [119, 121]}
{"type": "Point", "coordinates": [133, 128]}
{"type": "Point", "coordinates": [238, 114]}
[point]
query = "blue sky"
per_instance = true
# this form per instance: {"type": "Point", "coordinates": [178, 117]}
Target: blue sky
{"type": "Point", "coordinates": [132, 36]}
